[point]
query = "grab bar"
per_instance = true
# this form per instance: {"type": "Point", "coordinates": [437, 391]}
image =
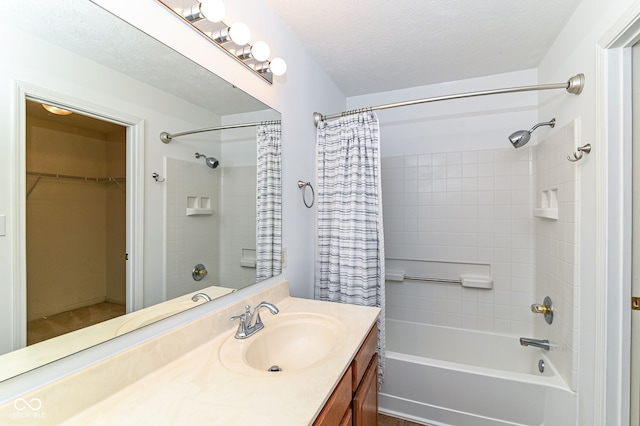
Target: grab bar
{"type": "Point", "coordinates": [434, 280]}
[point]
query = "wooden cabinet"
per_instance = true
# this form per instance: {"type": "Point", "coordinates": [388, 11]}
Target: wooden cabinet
{"type": "Point", "coordinates": [355, 400]}
{"type": "Point", "coordinates": [338, 405]}
{"type": "Point", "coordinates": [365, 400]}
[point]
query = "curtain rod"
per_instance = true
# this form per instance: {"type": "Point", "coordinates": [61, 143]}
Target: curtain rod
{"type": "Point", "coordinates": [167, 137]}
{"type": "Point", "coordinates": [574, 85]}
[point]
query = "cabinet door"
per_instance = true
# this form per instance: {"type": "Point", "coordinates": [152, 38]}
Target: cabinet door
{"type": "Point", "coordinates": [365, 402]}
{"type": "Point", "coordinates": [338, 404]}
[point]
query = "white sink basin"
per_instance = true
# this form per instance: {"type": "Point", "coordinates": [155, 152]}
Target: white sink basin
{"type": "Point", "coordinates": [290, 342]}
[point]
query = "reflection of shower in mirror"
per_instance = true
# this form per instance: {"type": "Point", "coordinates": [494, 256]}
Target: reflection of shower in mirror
{"type": "Point", "coordinates": [211, 161]}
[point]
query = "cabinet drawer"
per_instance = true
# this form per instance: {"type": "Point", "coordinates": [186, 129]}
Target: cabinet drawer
{"type": "Point", "coordinates": [363, 357]}
{"type": "Point", "coordinates": [339, 402]}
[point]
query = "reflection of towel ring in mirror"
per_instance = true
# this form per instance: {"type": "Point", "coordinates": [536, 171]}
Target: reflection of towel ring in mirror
{"type": "Point", "coordinates": [304, 185]}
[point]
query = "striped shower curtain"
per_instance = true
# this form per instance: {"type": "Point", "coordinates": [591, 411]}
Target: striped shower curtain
{"type": "Point", "coordinates": [268, 202]}
{"type": "Point", "coordinates": [350, 253]}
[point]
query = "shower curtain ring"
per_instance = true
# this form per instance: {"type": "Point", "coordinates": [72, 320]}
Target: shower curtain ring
{"type": "Point", "coordinates": [303, 184]}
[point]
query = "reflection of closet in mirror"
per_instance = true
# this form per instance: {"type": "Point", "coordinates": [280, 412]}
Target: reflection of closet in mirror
{"type": "Point", "coordinates": [76, 222]}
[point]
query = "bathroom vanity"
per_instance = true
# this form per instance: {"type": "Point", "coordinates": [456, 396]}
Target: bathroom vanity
{"type": "Point", "coordinates": [355, 400]}
{"type": "Point", "coordinates": [199, 373]}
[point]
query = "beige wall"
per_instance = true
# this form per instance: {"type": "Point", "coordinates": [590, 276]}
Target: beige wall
{"type": "Point", "coordinates": [67, 220]}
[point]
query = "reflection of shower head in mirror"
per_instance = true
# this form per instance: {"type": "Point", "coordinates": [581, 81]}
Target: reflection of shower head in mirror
{"type": "Point", "coordinates": [211, 161]}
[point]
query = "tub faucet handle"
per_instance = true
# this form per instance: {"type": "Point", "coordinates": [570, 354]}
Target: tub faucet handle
{"type": "Point", "coordinates": [537, 308]}
{"type": "Point", "coordinates": [546, 308]}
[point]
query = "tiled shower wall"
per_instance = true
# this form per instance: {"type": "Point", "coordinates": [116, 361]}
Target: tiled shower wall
{"type": "Point", "coordinates": [190, 239]}
{"type": "Point", "coordinates": [472, 206]}
{"type": "Point", "coordinates": [238, 213]}
{"type": "Point", "coordinates": [557, 249]}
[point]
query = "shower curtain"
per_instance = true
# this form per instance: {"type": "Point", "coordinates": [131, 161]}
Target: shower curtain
{"type": "Point", "coordinates": [268, 202]}
{"type": "Point", "coordinates": [350, 252]}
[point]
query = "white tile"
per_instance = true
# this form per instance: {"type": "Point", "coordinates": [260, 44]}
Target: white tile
{"type": "Point", "coordinates": [485, 156]}
{"type": "Point", "coordinates": [469, 157]}
{"type": "Point", "coordinates": [454, 184]}
{"type": "Point", "coordinates": [454, 158]}
{"type": "Point", "coordinates": [439, 159]}
{"type": "Point", "coordinates": [410, 161]}
{"type": "Point", "coordinates": [424, 160]}
{"type": "Point", "coordinates": [454, 171]}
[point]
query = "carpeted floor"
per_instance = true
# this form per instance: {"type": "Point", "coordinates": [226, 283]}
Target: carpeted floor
{"type": "Point", "coordinates": [55, 325]}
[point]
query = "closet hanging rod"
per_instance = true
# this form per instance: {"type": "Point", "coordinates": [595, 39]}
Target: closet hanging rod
{"type": "Point", "coordinates": [166, 137]}
{"type": "Point", "coordinates": [574, 85]}
{"type": "Point", "coordinates": [83, 178]}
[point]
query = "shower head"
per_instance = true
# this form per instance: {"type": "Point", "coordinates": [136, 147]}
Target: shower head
{"type": "Point", "coordinates": [211, 161]}
{"type": "Point", "coordinates": [521, 137]}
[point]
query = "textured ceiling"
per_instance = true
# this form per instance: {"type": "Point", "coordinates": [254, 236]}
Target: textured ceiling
{"type": "Point", "coordinates": [369, 46]}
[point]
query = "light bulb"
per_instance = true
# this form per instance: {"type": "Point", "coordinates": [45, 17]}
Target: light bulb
{"type": "Point", "coordinates": [212, 10]}
{"type": "Point", "coordinates": [260, 51]}
{"type": "Point", "coordinates": [56, 110]}
{"type": "Point", "coordinates": [278, 66]}
{"type": "Point", "coordinates": [239, 33]}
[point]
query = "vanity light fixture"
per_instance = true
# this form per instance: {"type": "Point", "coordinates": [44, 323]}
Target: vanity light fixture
{"type": "Point", "coordinates": [260, 51]}
{"type": "Point", "coordinates": [211, 10]}
{"type": "Point", "coordinates": [239, 33]}
{"type": "Point", "coordinates": [206, 17]}
{"type": "Point", "coordinates": [277, 66]}
{"type": "Point", "coordinates": [55, 110]}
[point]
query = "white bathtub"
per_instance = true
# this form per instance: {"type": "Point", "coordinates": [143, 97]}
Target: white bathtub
{"type": "Point", "coordinates": [449, 376]}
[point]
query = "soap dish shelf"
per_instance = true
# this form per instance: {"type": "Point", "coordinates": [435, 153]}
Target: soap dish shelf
{"type": "Point", "coordinates": [198, 212]}
{"type": "Point", "coordinates": [546, 213]}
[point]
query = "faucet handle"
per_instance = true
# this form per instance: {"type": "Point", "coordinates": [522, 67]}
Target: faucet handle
{"type": "Point", "coordinates": [241, 332]}
{"type": "Point", "coordinates": [240, 317]}
{"type": "Point", "coordinates": [546, 308]}
{"type": "Point", "coordinates": [537, 308]}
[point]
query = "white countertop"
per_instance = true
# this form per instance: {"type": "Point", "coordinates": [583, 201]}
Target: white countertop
{"type": "Point", "coordinates": [33, 356]}
{"type": "Point", "coordinates": [197, 388]}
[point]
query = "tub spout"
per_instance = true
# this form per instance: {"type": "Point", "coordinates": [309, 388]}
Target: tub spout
{"type": "Point", "coordinates": [199, 296]}
{"type": "Point", "coordinates": [543, 344]}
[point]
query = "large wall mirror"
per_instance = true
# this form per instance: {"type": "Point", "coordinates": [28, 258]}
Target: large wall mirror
{"type": "Point", "coordinates": [123, 230]}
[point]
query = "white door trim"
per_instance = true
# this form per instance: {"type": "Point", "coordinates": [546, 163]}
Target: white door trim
{"type": "Point", "coordinates": [613, 220]}
{"type": "Point", "coordinates": [135, 196]}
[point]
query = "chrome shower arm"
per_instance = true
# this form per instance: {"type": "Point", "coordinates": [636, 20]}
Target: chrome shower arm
{"type": "Point", "coordinates": [551, 123]}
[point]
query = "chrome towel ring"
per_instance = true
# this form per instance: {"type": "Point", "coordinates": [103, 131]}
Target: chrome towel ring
{"type": "Point", "coordinates": [302, 184]}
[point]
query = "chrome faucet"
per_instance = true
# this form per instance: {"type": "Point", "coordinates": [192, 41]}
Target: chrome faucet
{"type": "Point", "coordinates": [199, 296]}
{"type": "Point", "coordinates": [250, 323]}
{"type": "Point", "coordinates": [543, 344]}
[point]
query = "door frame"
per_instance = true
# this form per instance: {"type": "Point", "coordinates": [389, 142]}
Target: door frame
{"type": "Point", "coordinates": [612, 314]}
{"type": "Point", "coordinates": [634, 412]}
{"type": "Point", "coordinates": [134, 198]}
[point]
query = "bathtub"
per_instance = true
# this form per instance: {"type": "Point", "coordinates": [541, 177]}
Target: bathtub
{"type": "Point", "coordinates": [448, 376]}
